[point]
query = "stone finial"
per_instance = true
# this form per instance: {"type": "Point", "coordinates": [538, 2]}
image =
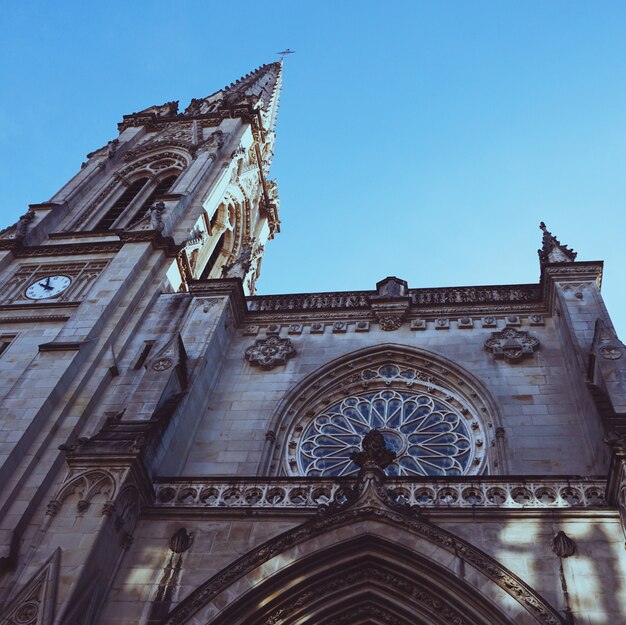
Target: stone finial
{"type": "Point", "coordinates": [552, 250]}
{"type": "Point", "coordinates": [563, 546]}
{"type": "Point", "coordinates": [240, 267]}
{"type": "Point", "coordinates": [375, 452]}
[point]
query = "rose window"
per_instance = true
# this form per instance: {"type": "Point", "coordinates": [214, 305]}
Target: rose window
{"type": "Point", "coordinates": [429, 434]}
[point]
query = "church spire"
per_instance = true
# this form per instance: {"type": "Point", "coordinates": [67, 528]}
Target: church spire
{"type": "Point", "coordinates": [258, 90]}
{"type": "Point", "coordinates": [552, 250]}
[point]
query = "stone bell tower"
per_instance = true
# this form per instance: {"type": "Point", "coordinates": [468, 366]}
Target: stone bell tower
{"type": "Point", "coordinates": [94, 304]}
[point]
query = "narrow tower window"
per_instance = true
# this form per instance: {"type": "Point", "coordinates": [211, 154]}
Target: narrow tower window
{"type": "Point", "coordinates": [121, 204]}
{"type": "Point", "coordinates": [163, 186]}
{"type": "Point", "coordinates": [5, 341]}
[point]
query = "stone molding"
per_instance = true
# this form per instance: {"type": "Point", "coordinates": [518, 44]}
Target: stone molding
{"type": "Point", "coordinates": [457, 296]}
{"type": "Point", "coordinates": [452, 302]}
{"type": "Point", "coordinates": [307, 494]}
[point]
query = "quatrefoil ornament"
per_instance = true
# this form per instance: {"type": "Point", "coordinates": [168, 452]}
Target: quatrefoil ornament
{"type": "Point", "coordinates": [511, 344]}
{"type": "Point", "coordinates": [270, 352]}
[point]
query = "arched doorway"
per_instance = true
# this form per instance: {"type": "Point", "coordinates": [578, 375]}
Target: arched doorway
{"type": "Point", "coordinates": [368, 563]}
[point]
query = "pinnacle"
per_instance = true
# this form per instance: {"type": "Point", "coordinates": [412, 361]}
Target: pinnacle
{"type": "Point", "coordinates": [552, 250]}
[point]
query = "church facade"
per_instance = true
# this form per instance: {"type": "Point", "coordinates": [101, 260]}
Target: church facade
{"type": "Point", "coordinates": [175, 449]}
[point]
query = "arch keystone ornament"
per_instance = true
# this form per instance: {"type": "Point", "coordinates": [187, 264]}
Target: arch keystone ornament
{"type": "Point", "coordinates": [270, 352]}
{"type": "Point", "coordinates": [511, 344]}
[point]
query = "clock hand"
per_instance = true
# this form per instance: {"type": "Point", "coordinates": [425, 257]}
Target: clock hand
{"type": "Point", "coordinates": [45, 286]}
{"type": "Point", "coordinates": [48, 281]}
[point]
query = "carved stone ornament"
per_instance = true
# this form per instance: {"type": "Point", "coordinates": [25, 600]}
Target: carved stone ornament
{"type": "Point", "coordinates": [511, 344]}
{"type": "Point", "coordinates": [375, 452]}
{"type": "Point", "coordinates": [610, 352]}
{"type": "Point", "coordinates": [270, 352]}
{"type": "Point", "coordinates": [181, 540]}
{"type": "Point", "coordinates": [552, 250]}
{"type": "Point", "coordinates": [563, 546]}
{"type": "Point", "coordinates": [162, 364]}
{"type": "Point", "coordinates": [34, 603]}
{"type": "Point", "coordinates": [389, 323]}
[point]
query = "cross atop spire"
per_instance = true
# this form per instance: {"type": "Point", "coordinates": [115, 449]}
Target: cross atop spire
{"type": "Point", "coordinates": [552, 250]}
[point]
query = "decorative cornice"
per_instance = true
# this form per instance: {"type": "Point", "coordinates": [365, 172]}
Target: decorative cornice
{"type": "Point", "coordinates": [39, 306]}
{"type": "Point", "coordinates": [68, 249]}
{"type": "Point", "coordinates": [231, 287]}
{"type": "Point", "coordinates": [473, 493]}
{"type": "Point", "coordinates": [34, 319]}
{"type": "Point", "coordinates": [454, 298]}
{"type": "Point", "coordinates": [167, 244]}
{"type": "Point", "coordinates": [553, 273]}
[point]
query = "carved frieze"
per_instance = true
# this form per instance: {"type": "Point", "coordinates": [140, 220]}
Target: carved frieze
{"type": "Point", "coordinates": [419, 297]}
{"type": "Point", "coordinates": [512, 345]}
{"type": "Point", "coordinates": [270, 352]}
{"type": "Point", "coordinates": [306, 494]}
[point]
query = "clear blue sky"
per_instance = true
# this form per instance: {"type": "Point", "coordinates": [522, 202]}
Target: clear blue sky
{"type": "Point", "coordinates": [421, 139]}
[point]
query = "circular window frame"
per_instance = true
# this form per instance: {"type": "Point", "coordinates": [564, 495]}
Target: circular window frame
{"type": "Point", "coordinates": [472, 427]}
{"type": "Point", "coordinates": [343, 377]}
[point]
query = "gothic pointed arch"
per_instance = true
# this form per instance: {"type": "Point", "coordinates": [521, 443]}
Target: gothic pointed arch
{"type": "Point", "coordinates": [404, 567]}
{"type": "Point", "coordinates": [438, 417]}
{"type": "Point", "coordinates": [87, 484]}
{"type": "Point", "coordinates": [127, 189]}
{"type": "Point", "coordinates": [34, 603]}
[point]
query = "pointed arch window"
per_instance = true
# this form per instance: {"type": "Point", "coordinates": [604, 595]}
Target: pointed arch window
{"type": "Point", "coordinates": [134, 202]}
{"type": "Point", "coordinates": [162, 188]}
{"type": "Point", "coordinates": [121, 204]}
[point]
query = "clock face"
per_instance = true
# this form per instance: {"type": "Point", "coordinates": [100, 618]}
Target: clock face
{"type": "Point", "coordinates": [50, 286]}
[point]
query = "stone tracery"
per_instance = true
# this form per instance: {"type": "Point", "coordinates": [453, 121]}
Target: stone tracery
{"type": "Point", "coordinates": [428, 435]}
{"type": "Point", "coordinates": [432, 414]}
